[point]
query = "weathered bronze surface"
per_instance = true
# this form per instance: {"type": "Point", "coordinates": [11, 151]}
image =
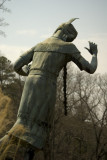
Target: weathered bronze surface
{"type": "Point", "coordinates": [36, 108]}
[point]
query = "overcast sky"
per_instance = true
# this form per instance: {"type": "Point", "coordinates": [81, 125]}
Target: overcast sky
{"type": "Point", "coordinates": [32, 21]}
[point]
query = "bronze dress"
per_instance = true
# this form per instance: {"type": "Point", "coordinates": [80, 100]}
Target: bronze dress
{"type": "Point", "coordinates": [36, 108]}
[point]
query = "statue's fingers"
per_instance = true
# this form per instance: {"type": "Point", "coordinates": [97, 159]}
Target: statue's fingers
{"type": "Point", "coordinates": [94, 45]}
{"type": "Point", "coordinates": [87, 48]}
{"type": "Point", "coordinates": [90, 44]}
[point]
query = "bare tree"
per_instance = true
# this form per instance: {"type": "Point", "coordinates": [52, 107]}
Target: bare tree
{"type": "Point", "coordinates": [2, 20]}
{"type": "Point", "coordinates": [82, 134]}
{"type": "Point", "coordinates": [89, 103]}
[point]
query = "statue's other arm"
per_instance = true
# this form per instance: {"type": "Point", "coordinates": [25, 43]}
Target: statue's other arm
{"type": "Point", "coordinates": [24, 59]}
{"type": "Point", "coordinates": [85, 65]}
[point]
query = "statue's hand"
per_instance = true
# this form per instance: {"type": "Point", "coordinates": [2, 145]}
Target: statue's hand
{"type": "Point", "coordinates": [26, 69]}
{"type": "Point", "coordinates": [92, 48]}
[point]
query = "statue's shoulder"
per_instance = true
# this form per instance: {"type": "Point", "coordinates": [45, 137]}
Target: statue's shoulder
{"type": "Point", "coordinates": [55, 45]}
{"type": "Point", "coordinates": [68, 47]}
{"type": "Point", "coordinates": [72, 48]}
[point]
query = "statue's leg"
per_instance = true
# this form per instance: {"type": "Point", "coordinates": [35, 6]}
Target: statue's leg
{"type": "Point", "coordinates": [29, 154]}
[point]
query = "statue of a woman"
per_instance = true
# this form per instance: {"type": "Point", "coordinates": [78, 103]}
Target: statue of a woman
{"type": "Point", "coordinates": [36, 108]}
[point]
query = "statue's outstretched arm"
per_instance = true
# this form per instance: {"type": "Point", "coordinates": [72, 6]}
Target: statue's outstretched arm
{"type": "Point", "coordinates": [23, 60]}
{"type": "Point", "coordinates": [85, 65]}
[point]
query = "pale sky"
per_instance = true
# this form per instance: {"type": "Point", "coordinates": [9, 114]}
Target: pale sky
{"type": "Point", "coordinates": [32, 21]}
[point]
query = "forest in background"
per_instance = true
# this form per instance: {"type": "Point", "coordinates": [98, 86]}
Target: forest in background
{"type": "Point", "coordinates": [81, 135]}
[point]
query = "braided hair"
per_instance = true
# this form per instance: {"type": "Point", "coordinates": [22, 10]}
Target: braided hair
{"type": "Point", "coordinates": [67, 28]}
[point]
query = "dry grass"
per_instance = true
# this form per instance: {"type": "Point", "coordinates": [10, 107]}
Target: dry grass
{"type": "Point", "coordinates": [13, 146]}
{"type": "Point", "coordinates": [7, 116]}
{"type": "Point", "coordinates": [7, 119]}
{"type": "Point", "coordinates": [13, 149]}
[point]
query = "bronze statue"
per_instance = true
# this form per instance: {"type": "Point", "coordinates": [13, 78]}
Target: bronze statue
{"type": "Point", "coordinates": [36, 108]}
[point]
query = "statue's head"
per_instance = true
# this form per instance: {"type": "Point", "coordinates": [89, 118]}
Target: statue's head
{"type": "Point", "coordinates": [68, 31]}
